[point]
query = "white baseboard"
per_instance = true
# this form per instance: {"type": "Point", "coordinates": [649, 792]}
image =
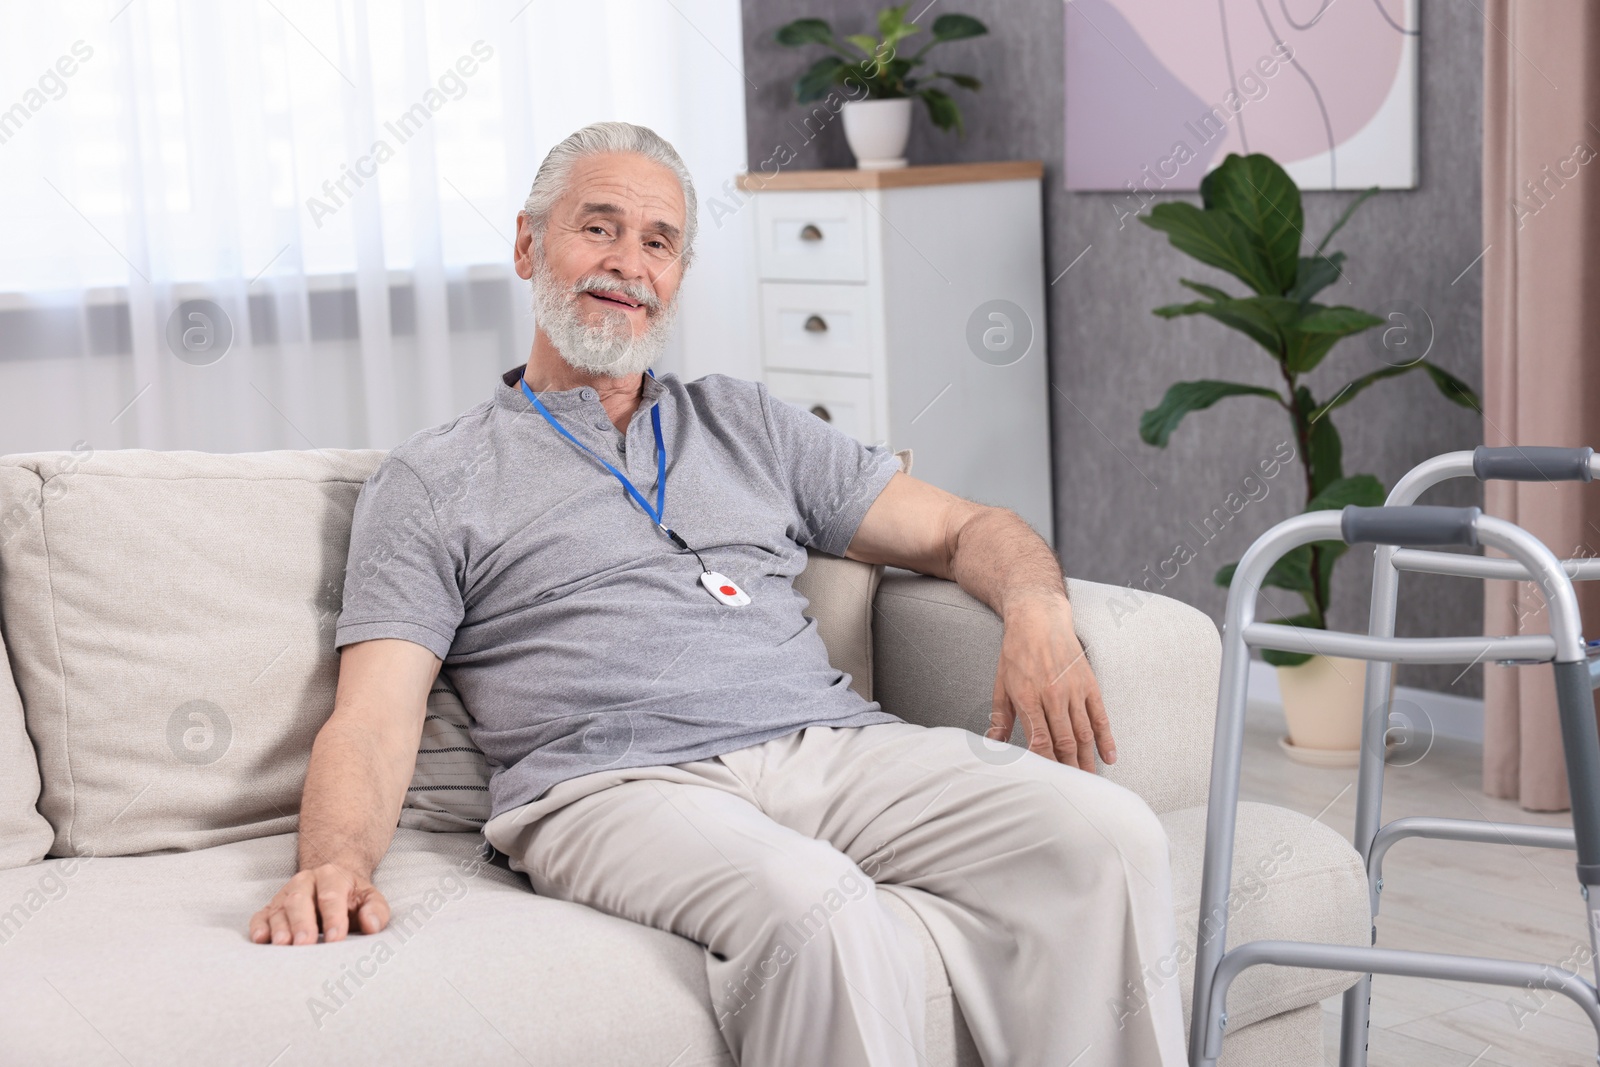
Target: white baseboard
{"type": "Point", "coordinates": [1452, 716]}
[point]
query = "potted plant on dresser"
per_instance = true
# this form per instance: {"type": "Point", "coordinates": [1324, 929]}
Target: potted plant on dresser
{"type": "Point", "coordinates": [1249, 225]}
{"type": "Point", "coordinates": [878, 124]}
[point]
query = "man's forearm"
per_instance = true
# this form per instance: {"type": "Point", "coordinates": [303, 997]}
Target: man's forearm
{"type": "Point", "coordinates": [998, 558]}
{"type": "Point", "coordinates": [351, 801]}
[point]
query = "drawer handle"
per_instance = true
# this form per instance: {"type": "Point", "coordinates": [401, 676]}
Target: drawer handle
{"type": "Point", "coordinates": [821, 412]}
{"type": "Point", "coordinates": [815, 324]}
{"type": "Point", "coordinates": [809, 232]}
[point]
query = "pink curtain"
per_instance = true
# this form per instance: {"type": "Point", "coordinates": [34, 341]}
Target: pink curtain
{"type": "Point", "coordinates": [1541, 343]}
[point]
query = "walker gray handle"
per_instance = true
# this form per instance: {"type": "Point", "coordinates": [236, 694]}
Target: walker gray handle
{"type": "Point", "coordinates": [1532, 463]}
{"type": "Point", "coordinates": [1410, 525]}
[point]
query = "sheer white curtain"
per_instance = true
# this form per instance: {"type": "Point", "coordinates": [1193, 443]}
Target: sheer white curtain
{"type": "Point", "coordinates": [339, 179]}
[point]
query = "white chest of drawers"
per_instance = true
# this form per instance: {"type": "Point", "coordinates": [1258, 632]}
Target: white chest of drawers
{"type": "Point", "coordinates": [907, 308]}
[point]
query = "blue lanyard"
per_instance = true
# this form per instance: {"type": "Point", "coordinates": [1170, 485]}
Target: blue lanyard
{"type": "Point", "coordinates": [661, 459]}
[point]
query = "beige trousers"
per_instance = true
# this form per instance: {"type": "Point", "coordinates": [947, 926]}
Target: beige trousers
{"type": "Point", "coordinates": [1045, 888]}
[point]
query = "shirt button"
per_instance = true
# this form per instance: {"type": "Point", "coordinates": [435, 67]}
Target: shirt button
{"type": "Point", "coordinates": [587, 393]}
{"type": "Point", "coordinates": [602, 424]}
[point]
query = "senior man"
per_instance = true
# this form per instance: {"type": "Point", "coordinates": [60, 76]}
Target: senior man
{"type": "Point", "coordinates": [603, 560]}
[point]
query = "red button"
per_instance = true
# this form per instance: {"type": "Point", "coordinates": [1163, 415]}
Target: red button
{"type": "Point", "coordinates": [728, 590]}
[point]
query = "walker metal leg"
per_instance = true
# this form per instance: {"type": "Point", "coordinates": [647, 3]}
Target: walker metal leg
{"type": "Point", "coordinates": [1355, 1017]}
{"type": "Point", "coordinates": [1581, 741]}
{"type": "Point", "coordinates": [1227, 749]}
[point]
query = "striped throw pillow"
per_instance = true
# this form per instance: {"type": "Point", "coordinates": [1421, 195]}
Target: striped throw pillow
{"type": "Point", "coordinates": [449, 790]}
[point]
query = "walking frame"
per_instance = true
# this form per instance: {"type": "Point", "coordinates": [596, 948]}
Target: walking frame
{"type": "Point", "coordinates": [1402, 532]}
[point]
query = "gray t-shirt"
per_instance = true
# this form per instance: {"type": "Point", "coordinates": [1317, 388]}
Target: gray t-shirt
{"type": "Point", "coordinates": [576, 634]}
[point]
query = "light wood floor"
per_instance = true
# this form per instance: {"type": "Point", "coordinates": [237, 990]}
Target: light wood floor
{"type": "Point", "coordinates": [1494, 900]}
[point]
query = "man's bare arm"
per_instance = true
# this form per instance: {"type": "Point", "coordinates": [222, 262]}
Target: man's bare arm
{"type": "Point", "coordinates": [1043, 677]}
{"type": "Point", "coordinates": [361, 764]}
{"type": "Point", "coordinates": [919, 526]}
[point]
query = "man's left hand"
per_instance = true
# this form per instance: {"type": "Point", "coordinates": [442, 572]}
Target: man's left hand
{"type": "Point", "coordinates": [1045, 680]}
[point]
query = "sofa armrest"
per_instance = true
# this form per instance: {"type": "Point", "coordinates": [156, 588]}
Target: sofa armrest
{"type": "Point", "coordinates": [935, 649]}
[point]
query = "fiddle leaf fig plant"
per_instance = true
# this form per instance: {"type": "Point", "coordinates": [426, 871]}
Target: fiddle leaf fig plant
{"type": "Point", "coordinates": [876, 62]}
{"type": "Point", "coordinates": [1249, 225]}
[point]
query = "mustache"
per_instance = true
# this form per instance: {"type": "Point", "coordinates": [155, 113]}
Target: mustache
{"type": "Point", "coordinates": [638, 292]}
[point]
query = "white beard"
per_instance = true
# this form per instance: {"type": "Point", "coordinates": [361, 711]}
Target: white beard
{"type": "Point", "coordinates": [606, 347]}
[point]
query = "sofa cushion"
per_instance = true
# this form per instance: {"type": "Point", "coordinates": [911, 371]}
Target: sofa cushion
{"type": "Point", "coordinates": [1156, 659]}
{"type": "Point", "coordinates": [840, 593]}
{"type": "Point", "coordinates": [1293, 880]}
{"type": "Point", "coordinates": [149, 955]}
{"type": "Point", "coordinates": [1293, 1039]}
{"type": "Point", "coordinates": [25, 835]}
{"type": "Point", "coordinates": [169, 616]}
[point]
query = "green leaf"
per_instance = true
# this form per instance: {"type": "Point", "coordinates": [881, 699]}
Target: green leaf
{"type": "Point", "coordinates": [1327, 554]}
{"type": "Point", "coordinates": [1305, 350]}
{"type": "Point", "coordinates": [891, 43]}
{"type": "Point", "coordinates": [1280, 309]}
{"type": "Point", "coordinates": [966, 81]}
{"type": "Point", "coordinates": [894, 73]}
{"type": "Point", "coordinates": [942, 110]}
{"type": "Point", "coordinates": [894, 28]}
{"type": "Point", "coordinates": [957, 28]}
{"type": "Point", "coordinates": [1315, 274]}
{"type": "Point", "coordinates": [1318, 330]}
{"type": "Point", "coordinates": [814, 83]}
{"type": "Point", "coordinates": [1173, 311]}
{"type": "Point", "coordinates": [1157, 424]}
{"type": "Point", "coordinates": [864, 41]}
{"type": "Point", "coordinates": [1362, 490]}
{"type": "Point", "coordinates": [1324, 449]}
{"type": "Point", "coordinates": [1258, 328]}
{"type": "Point", "coordinates": [1261, 318]}
{"type": "Point", "coordinates": [891, 19]}
{"type": "Point", "coordinates": [1205, 290]}
{"type": "Point", "coordinates": [1264, 199]}
{"type": "Point", "coordinates": [1344, 217]}
{"type": "Point", "coordinates": [1216, 239]}
{"type": "Point", "coordinates": [1292, 571]}
{"type": "Point", "coordinates": [1453, 388]}
{"type": "Point", "coordinates": [804, 32]}
{"type": "Point", "coordinates": [1354, 386]}
{"type": "Point", "coordinates": [1341, 320]}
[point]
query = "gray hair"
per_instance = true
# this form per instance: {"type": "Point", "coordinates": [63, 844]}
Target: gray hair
{"type": "Point", "coordinates": [596, 138]}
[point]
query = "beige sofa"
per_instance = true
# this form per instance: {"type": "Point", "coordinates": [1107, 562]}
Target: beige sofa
{"type": "Point", "coordinates": [167, 621]}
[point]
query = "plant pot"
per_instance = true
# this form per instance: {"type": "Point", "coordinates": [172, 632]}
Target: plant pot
{"type": "Point", "coordinates": [877, 131]}
{"type": "Point", "coordinates": [1322, 700]}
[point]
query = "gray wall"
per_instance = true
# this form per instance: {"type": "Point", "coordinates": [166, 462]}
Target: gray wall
{"type": "Point", "coordinates": [1114, 359]}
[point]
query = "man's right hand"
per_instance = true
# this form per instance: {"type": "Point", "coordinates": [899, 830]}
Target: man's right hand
{"type": "Point", "coordinates": [361, 764]}
{"type": "Point", "coordinates": [340, 897]}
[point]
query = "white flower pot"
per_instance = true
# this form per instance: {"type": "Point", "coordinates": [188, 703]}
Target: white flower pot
{"type": "Point", "coordinates": [877, 131]}
{"type": "Point", "coordinates": [1322, 700]}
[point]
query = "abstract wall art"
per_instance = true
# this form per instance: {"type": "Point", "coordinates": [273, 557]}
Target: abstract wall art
{"type": "Point", "coordinates": [1160, 91]}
